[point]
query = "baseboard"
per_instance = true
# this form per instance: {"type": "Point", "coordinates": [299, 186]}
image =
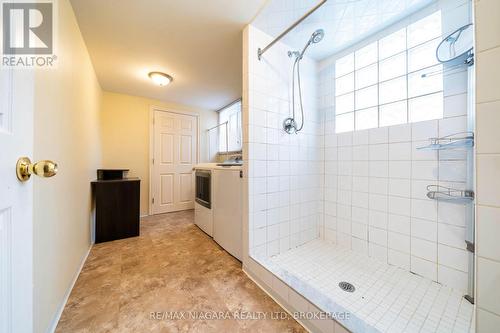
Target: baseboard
{"type": "Point", "coordinates": [57, 317]}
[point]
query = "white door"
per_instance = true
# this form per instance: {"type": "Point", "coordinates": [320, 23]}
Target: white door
{"type": "Point", "coordinates": [16, 242]}
{"type": "Point", "coordinates": [175, 150]}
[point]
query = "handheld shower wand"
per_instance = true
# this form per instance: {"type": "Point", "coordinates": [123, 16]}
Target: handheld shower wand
{"type": "Point", "coordinates": [290, 124]}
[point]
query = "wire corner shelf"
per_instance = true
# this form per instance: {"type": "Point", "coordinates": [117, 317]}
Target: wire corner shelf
{"type": "Point", "coordinates": [453, 141]}
{"type": "Point", "coordinates": [443, 193]}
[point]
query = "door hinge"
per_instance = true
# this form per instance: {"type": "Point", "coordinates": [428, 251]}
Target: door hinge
{"type": "Point", "coordinates": [153, 201]}
{"type": "Point", "coordinates": [153, 161]}
{"type": "Point", "coordinates": [469, 298]}
{"type": "Point", "coordinates": [470, 246]}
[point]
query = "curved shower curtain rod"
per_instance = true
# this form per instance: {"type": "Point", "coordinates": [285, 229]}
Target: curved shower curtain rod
{"type": "Point", "coordinates": [260, 51]}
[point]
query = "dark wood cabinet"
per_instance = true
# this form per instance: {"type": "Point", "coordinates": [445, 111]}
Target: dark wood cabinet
{"type": "Point", "coordinates": [116, 208]}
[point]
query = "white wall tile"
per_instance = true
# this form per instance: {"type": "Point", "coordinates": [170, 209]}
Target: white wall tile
{"type": "Point", "coordinates": [488, 280]}
{"type": "Point", "coordinates": [364, 179]}
{"type": "Point", "coordinates": [377, 252]}
{"type": "Point", "coordinates": [359, 246]}
{"type": "Point", "coordinates": [399, 205]}
{"type": "Point", "coordinates": [488, 73]}
{"type": "Point", "coordinates": [286, 197]}
{"type": "Point", "coordinates": [424, 249]}
{"type": "Point", "coordinates": [423, 131]}
{"type": "Point", "coordinates": [486, 321]}
{"type": "Point", "coordinates": [423, 154]}
{"type": "Point", "coordinates": [453, 278]}
{"type": "Point", "coordinates": [455, 16]}
{"type": "Point", "coordinates": [360, 153]}
{"type": "Point", "coordinates": [399, 259]}
{"type": "Point", "coordinates": [487, 24]}
{"type": "Point", "coordinates": [452, 213]}
{"type": "Point", "coordinates": [450, 126]}
{"type": "Point", "coordinates": [424, 209]}
{"type": "Point", "coordinates": [379, 169]}
{"type": "Point", "coordinates": [488, 231]}
{"type": "Point", "coordinates": [378, 202]}
{"type": "Point", "coordinates": [400, 133]}
{"type": "Point", "coordinates": [455, 105]}
{"type": "Point", "coordinates": [378, 185]}
{"type": "Point", "coordinates": [360, 168]}
{"type": "Point", "coordinates": [400, 169]}
{"type": "Point", "coordinates": [379, 135]}
{"type": "Point", "coordinates": [378, 152]}
{"type": "Point", "coordinates": [455, 83]}
{"type": "Point", "coordinates": [452, 171]}
{"type": "Point", "coordinates": [423, 267]}
{"type": "Point", "coordinates": [400, 151]}
{"type": "Point", "coordinates": [361, 138]}
{"type": "Point", "coordinates": [424, 229]}
{"type": "Point", "coordinates": [453, 257]}
{"type": "Point", "coordinates": [344, 139]}
{"type": "Point", "coordinates": [419, 189]}
{"type": "Point", "coordinates": [359, 199]}
{"type": "Point", "coordinates": [451, 235]}
{"type": "Point", "coordinates": [400, 224]}
{"type": "Point", "coordinates": [360, 184]}
{"type": "Point", "coordinates": [424, 170]}
{"type": "Point", "coordinates": [399, 187]}
{"type": "Point", "coordinates": [399, 242]}
{"type": "Point", "coordinates": [378, 236]}
{"type": "Point", "coordinates": [359, 230]}
{"type": "Point", "coordinates": [488, 135]}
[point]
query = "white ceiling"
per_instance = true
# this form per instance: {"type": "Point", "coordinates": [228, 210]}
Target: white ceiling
{"type": "Point", "coordinates": [198, 42]}
{"type": "Point", "coordinates": [345, 22]}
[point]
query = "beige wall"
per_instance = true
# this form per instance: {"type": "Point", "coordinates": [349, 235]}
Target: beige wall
{"type": "Point", "coordinates": [125, 135]}
{"type": "Point", "coordinates": [487, 14]}
{"type": "Point", "coordinates": [82, 128]}
{"type": "Point", "coordinates": [67, 103]}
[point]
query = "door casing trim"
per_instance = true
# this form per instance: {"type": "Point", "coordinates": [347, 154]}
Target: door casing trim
{"type": "Point", "coordinates": [152, 111]}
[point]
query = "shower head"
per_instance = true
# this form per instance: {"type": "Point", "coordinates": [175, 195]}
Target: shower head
{"type": "Point", "coordinates": [290, 124]}
{"type": "Point", "coordinates": [317, 36]}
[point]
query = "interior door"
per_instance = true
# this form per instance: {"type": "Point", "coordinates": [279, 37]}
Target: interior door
{"type": "Point", "coordinates": [16, 259]}
{"type": "Point", "coordinates": [175, 154]}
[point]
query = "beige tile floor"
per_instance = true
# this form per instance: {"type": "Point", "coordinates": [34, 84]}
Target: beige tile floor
{"type": "Point", "coordinates": [172, 266]}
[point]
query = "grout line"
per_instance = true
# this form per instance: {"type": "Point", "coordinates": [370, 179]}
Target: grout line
{"type": "Point", "coordinates": [488, 102]}
{"type": "Point", "coordinates": [488, 49]}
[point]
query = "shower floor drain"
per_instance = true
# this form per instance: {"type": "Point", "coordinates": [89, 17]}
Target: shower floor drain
{"type": "Point", "coordinates": [346, 286]}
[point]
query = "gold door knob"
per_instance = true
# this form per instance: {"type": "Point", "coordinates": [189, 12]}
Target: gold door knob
{"type": "Point", "coordinates": [24, 168]}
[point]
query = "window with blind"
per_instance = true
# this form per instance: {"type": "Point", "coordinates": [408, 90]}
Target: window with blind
{"type": "Point", "coordinates": [382, 84]}
{"type": "Point", "coordinates": [230, 115]}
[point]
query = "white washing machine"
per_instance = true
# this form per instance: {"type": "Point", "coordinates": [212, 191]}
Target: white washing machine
{"type": "Point", "coordinates": [227, 208]}
{"type": "Point", "coordinates": [204, 194]}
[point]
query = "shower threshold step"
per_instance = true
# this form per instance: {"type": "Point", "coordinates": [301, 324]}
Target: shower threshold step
{"type": "Point", "coordinates": [376, 296]}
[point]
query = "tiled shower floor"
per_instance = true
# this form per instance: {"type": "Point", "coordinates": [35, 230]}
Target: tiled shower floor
{"type": "Point", "coordinates": [386, 299]}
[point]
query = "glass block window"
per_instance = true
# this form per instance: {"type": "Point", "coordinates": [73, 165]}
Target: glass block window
{"type": "Point", "coordinates": [381, 84]}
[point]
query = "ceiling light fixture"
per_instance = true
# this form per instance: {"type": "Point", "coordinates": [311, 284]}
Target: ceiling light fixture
{"type": "Point", "coordinates": [160, 78]}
